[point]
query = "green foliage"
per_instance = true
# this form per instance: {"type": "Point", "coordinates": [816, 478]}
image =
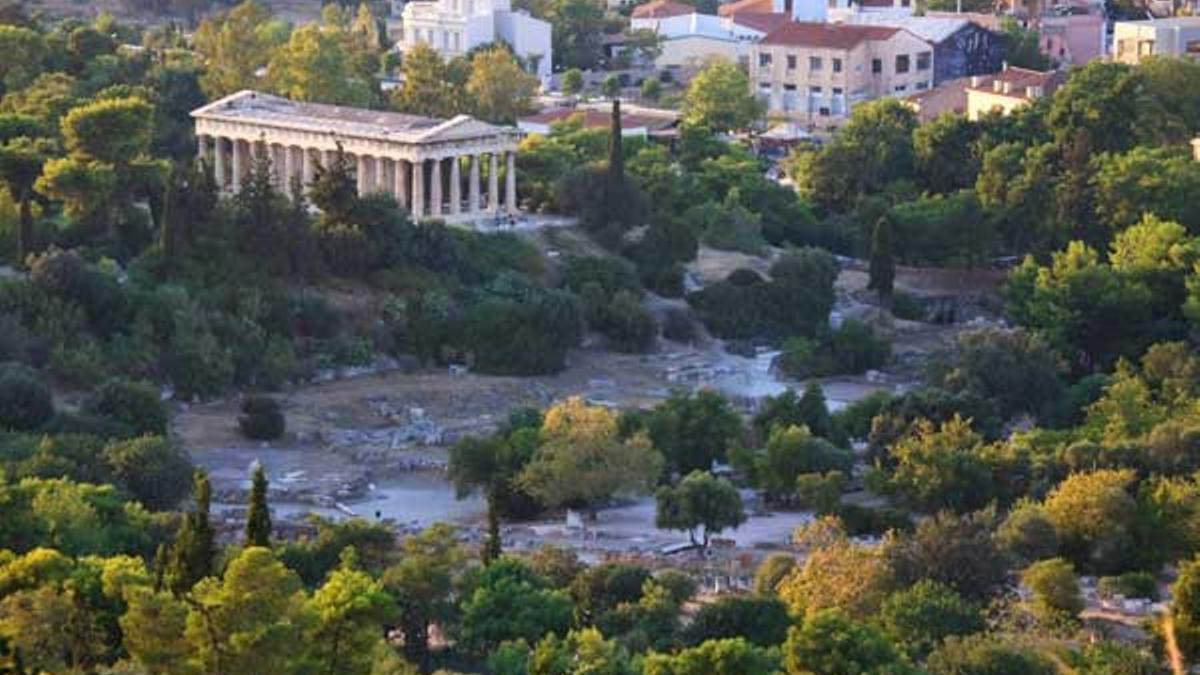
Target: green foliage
{"type": "Point", "coordinates": [314, 557]}
{"type": "Point", "coordinates": [261, 419]}
{"type": "Point", "coordinates": [831, 643]}
{"type": "Point", "coordinates": [511, 603]}
{"type": "Point", "coordinates": [958, 551]}
{"type": "Point", "coordinates": [192, 555]}
{"type": "Point", "coordinates": [258, 515]}
{"type": "Point", "coordinates": [1055, 589]}
{"type": "Point", "coordinates": [790, 452]}
{"type": "Point", "coordinates": [1095, 517]}
{"type": "Point", "coordinates": [920, 617]}
{"type": "Point", "coordinates": [715, 657]}
{"type": "Point", "coordinates": [942, 467]}
{"type": "Point", "coordinates": [1129, 585]}
{"type": "Point", "coordinates": [25, 401]}
{"type": "Point", "coordinates": [772, 571]}
{"type": "Point", "coordinates": [720, 99]}
{"type": "Point", "coordinates": [136, 406]}
{"type": "Point", "coordinates": [693, 430]}
{"type": "Point", "coordinates": [986, 655]}
{"type": "Point", "coordinates": [422, 584]}
{"type": "Point", "coordinates": [151, 468]}
{"type": "Point", "coordinates": [852, 348]}
{"type": "Point", "coordinates": [763, 622]}
{"type": "Point", "coordinates": [699, 503]}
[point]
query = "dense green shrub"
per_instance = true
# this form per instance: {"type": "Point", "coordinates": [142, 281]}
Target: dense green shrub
{"type": "Point", "coordinates": [763, 621]}
{"type": "Point", "coordinates": [261, 418]}
{"type": "Point", "coordinates": [1129, 585]}
{"type": "Point", "coordinates": [152, 469]}
{"type": "Point", "coordinates": [25, 400]}
{"type": "Point", "coordinates": [851, 349]}
{"type": "Point", "coordinates": [136, 405]}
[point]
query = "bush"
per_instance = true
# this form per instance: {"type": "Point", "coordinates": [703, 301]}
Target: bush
{"type": "Point", "coordinates": [905, 306]}
{"type": "Point", "coordinates": [136, 405]}
{"type": "Point", "coordinates": [25, 401]}
{"type": "Point", "coordinates": [628, 325]}
{"type": "Point", "coordinates": [1129, 585]}
{"type": "Point", "coordinates": [153, 470]}
{"type": "Point", "coordinates": [762, 621]}
{"type": "Point", "coordinates": [862, 521]}
{"type": "Point", "coordinates": [261, 418]}
{"type": "Point", "coordinates": [678, 326]}
{"type": "Point", "coordinates": [851, 349]}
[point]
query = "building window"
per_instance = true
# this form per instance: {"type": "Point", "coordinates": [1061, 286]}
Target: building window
{"type": "Point", "coordinates": [901, 87]}
{"type": "Point", "coordinates": [814, 63]}
{"type": "Point", "coordinates": [923, 60]}
{"type": "Point", "coordinates": [901, 63]}
{"type": "Point", "coordinates": [876, 66]}
{"type": "Point", "coordinates": [837, 65]}
{"type": "Point", "coordinates": [456, 42]}
{"type": "Point", "coordinates": [789, 97]}
{"type": "Point", "coordinates": [922, 86]}
{"type": "Point", "coordinates": [764, 60]}
{"type": "Point", "coordinates": [815, 91]}
{"type": "Point", "coordinates": [791, 61]}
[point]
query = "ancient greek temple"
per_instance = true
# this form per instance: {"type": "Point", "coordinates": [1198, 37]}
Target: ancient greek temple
{"type": "Point", "coordinates": [420, 161]}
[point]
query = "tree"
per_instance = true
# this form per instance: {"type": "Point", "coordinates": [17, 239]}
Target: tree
{"type": "Point", "coordinates": [571, 81]}
{"type": "Point", "coordinates": [25, 401]}
{"type": "Point", "coordinates": [1185, 608]}
{"type": "Point", "coordinates": [234, 46]}
{"type": "Point", "coordinates": [577, 28]}
{"type": "Point", "coordinates": [611, 87]}
{"type": "Point", "coordinates": [151, 468]}
{"type": "Point", "coordinates": [1055, 589]}
{"type": "Point", "coordinates": [1027, 535]}
{"type": "Point", "coordinates": [734, 656]}
{"type": "Point", "coordinates": [422, 585]}
{"type": "Point", "coordinates": [920, 617]}
{"type": "Point", "coordinates": [693, 430]}
{"type": "Point", "coordinates": [499, 89]}
{"type": "Point", "coordinates": [614, 185]}
{"type": "Point", "coordinates": [21, 162]}
{"type": "Point", "coordinates": [771, 572]}
{"type": "Point", "coordinates": [1014, 370]}
{"type": "Point", "coordinates": [699, 502]}
{"type": "Point", "coordinates": [838, 574]}
{"type": "Point", "coordinates": [946, 153]}
{"type": "Point", "coordinates": [1095, 517]}
{"type": "Point", "coordinates": [987, 655]}
{"type": "Point", "coordinates": [511, 603]}
{"type": "Point", "coordinates": [882, 269]}
{"type": "Point", "coordinates": [315, 65]}
{"type": "Point", "coordinates": [193, 553]}
{"type": "Point", "coordinates": [133, 404]}
{"type": "Point", "coordinates": [761, 621]}
{"type": "Point", "coordinates": [349, 608]}
{"type": "Point", "coordinates": [956, 550]}
{"type": "Point", "coordinates": [1022, 46]}
{"type": "Point", "coordinates": [490, 465]}
{"type": "Point", "coordinates": [152, 629]}
{"type": "Point", "coordinates": [52, 630]}
{"type": "Point", "coordinates": [651, 89]}
{"type": "Point", "coordinates": [431, 87]}
{"type": "Point", "coordinates": [258, 516]}
{"type": "Point", "coordinates": [791, 452]}
{"type": "Point", "coordinates": [942, 467]}
{"type": "Point", "coordinates": [832, 644]}
{"type": "Point", "coordinates": [582, 651]}
{"type": "Point", "coordinates": [581, 459]}
{"type": "Point", "coordinates": [252, 620]}
{"type": "Point", "coordinates": [719, 97]}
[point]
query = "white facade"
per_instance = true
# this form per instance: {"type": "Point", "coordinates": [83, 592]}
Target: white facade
{"type": "Point", "coordinates": [454, 27]}
{"type": "Point", "coordinates": [691, 39]}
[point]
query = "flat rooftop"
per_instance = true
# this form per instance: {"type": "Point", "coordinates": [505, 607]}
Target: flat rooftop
{"type": "Point", "coordinates": [260, 108]}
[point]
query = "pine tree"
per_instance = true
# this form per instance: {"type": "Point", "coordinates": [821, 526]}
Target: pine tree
{"type": "Point", "coordinates": [258, 518]}
{"type": "Point", "coordinates": [492, 545]}
{"type": "Point", "coordinates": [194, 550]}
{"type": "Point", "coordinates": [883, 263]}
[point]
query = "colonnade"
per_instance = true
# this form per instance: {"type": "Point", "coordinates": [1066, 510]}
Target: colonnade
{"type": "Point", "coordinates": [427, 187]}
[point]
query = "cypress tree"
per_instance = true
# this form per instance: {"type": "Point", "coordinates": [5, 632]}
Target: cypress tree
{"type": "Point", "coordinates": [492, 545]}
{"type": "Point", "coordinates": [883, 262]}
{"type": "Point", "coordinates": [258, 518]}
{"type": "Point", "coordinates": [191, 556]}
{"type": "Point", "coordinates": [614, 184]}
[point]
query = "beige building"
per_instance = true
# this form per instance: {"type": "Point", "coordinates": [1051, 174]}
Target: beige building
{"type": "Point", "coordinates": [431, 167]}
{"type": "Point", "coordinates": [817, 72]}
{"type": "Point", "coordinates": [1008, 90]}
{"type": "Point", "coordinates": [1176, 36]}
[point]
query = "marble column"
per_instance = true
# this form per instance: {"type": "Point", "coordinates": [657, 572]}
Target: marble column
{"type": "Point", "coordinates": [289, 168]}
{"type": "Point", "coordinates": [400, 174]}
{"type": "Point", "coordinates": [307, 168]}
{"type": "Point", "coordinates": [435, 189]}
{"type": "Point", "coordinates": [239, 164]}
{"type": "Point", "coordinates": [494, 185]}
{"type": "Point", "coordinates": [385, 176]}
{"type": "Point", "coordinates": [455, 187]}
{"type": "Point", "coordinates": [218, 167]}
{"type": "Point", "coordinates": [418, 191]}
{"type": "Point", "coordinates": [510, 184]}
{"type": "Point", "coordinates": [202, 148]}
{"type": "Point", "coordinates": [473, 186]}
{"type": "Point", "coordinates": [363, 185]}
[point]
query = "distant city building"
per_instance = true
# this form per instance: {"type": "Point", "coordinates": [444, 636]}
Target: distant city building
{"type": "Point", "coordinates": [947, 97]}
{"type": "Point", "coordinates": [1177, 36]}
{"type": "Point", "coordinates": [961, 47]}
{"type": "Point", "coordinates": [455, 27]}
{"type": "Point", "coordinates": [693, 38]}
{"type": "Point", "coordinates": [431, 167]}
{"type": "Point", "coordinates": [817, 72]}
{"type": "Point", "coordinates": [798, 10]}
{"type": "Point", "coordinates": [1009, 89]}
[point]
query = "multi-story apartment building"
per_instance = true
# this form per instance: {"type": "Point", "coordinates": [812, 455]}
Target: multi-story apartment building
{"type": "Point", "coordinates": [1176, 36]}
{"type": "Point", "coordinates": [455, 27]}
{"type": "Point", "coordinates": [817, 72]}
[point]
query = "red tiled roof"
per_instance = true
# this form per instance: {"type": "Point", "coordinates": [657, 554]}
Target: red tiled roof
{"type": "Point", "coordinates": [764, 22]}
{"type": "Point", "coordinates": [1019, 79]}
{"type": "Point", "coordinates": [751, 6]}
{"type": "Point", "coordinates": [826, 35]}
{"type": "Point", "coordinates": [661, 9]}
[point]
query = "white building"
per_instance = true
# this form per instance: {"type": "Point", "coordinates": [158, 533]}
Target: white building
{"type": "Point", "coordinates": [454, 27]}
{"type": "Point", "coordinates": [689, 38]}
{"type": "Point", "coordinates": [1177, 36]}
